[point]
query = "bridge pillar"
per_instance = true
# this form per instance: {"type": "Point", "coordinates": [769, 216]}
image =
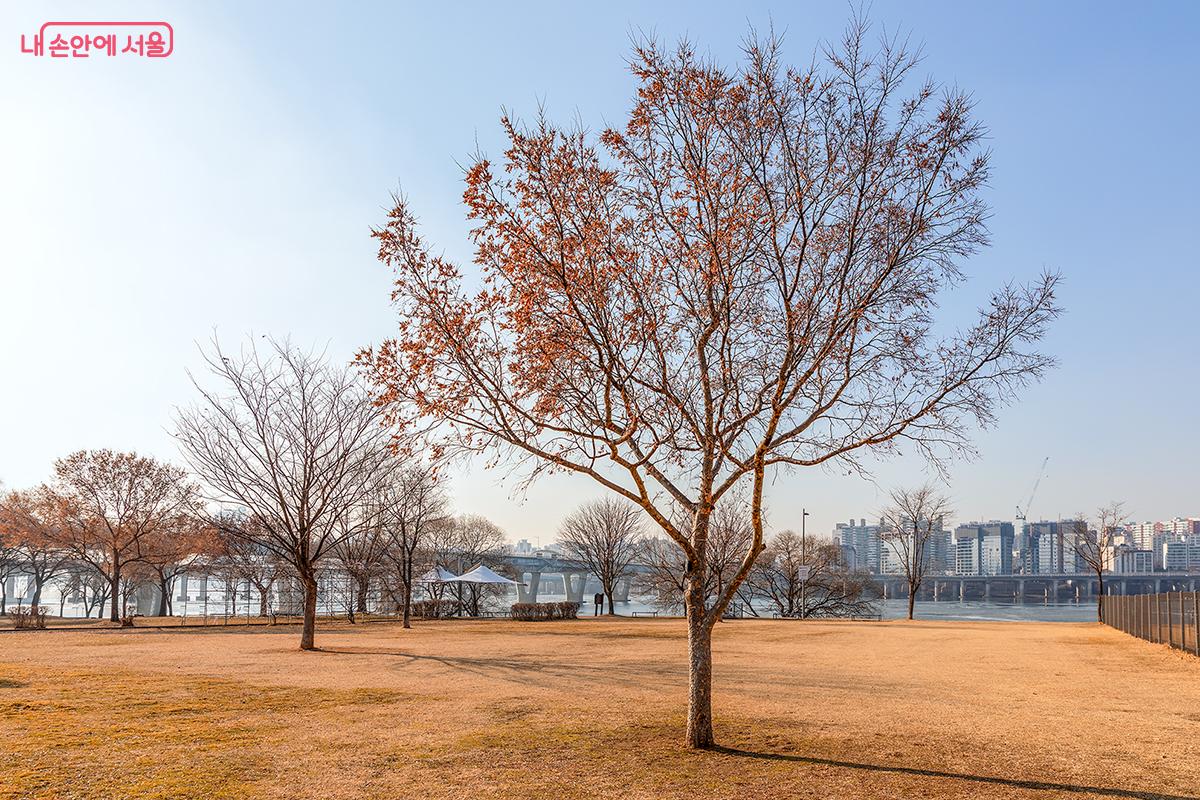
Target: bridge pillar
{"type": "Point", "coordinates": [987, 589]}
{"type": "Point", "coordinates": [529, 592]}
{"type": "Point", "coordinates": [962, 596]}
{"type": "Point", "coordinates": [573, 583]}
{"type": "Point", "coordinates": [935, 590]}
{"type": "Point", "coordinates": [621, 590]}
{"type": "Point", "coordinates": [1020, 598]}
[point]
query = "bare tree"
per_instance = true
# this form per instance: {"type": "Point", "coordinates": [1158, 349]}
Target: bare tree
{"type": "Point", "coordinates": [606, 536]}
{"type": "Point", "coordinates": [29, 526]}
{"type": "Point", "coordinates": [295, 442]}
{"type": "Point", "coordinates": [462, 543]}
{"type": "Point", "coordinates": [801, 580]}
{"type": "Point", "coordinates": [111, 505]}
{"type": "Point", "coordinates": [1092, 545]}
{"type": "Point", "coordinates": [743, 278]}
{"type": "Point", "coordinates": [730, 533]}
{"type": "Point", "coordinates": [420, 512]}
{"type": "Point", "coordinates": [909, 525]}
{"type": "Point", "coordinates": [361, 553]}
{"type": "Point", "coordinates": [242, 555]}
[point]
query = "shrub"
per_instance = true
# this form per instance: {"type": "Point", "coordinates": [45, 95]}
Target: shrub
{"type": "Point", "coordinates": [433, 609]}
{"type": "Point", "coordinates": [540, 612]}
{"type": "Point", "coordinates": [29, 618]}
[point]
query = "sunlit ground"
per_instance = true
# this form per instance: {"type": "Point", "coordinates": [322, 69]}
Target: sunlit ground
{"type": "Point", "coordinates": [596, 709]}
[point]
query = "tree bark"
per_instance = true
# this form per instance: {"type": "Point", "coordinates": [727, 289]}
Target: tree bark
{"type": "Point", "coordinates": [114, 588]}
{"type": "Point", "coordinates": [263, 593]}
{"type": "Point", "coordinates": [364, 585]}
{"type": "Point", "coordinates": [310, 612]}
{"type": "Point", "coordinates": [912, 598]}
{"type": "Point", "coordinates": [37, 593]}
{"type": "Point", "coordinates": [408, 602]}
{"type": "Point", "coordinates": [164, 597]}
{"type": "Point", "coordinates": [699, 719]}
{"type": "Point", "coordinates": [1100, 597]}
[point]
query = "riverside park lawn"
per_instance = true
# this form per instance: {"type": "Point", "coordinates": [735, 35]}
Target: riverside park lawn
{"type": "Point", "coordinates": [595, 708]}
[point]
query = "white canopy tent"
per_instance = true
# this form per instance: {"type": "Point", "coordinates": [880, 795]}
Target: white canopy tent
{"type": "Point", "coordinates": [482, 574]}
{"type": "Point", "coordinates": [437, 575]}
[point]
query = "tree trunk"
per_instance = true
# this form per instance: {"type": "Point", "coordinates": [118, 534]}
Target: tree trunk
{"type": "Point", "coordinates": [612, 611]}
{"type": "Point", "coordinates": [408, 602]}
{"type": "Point", "coordinates": [912, 597]}
{"type": "Point", "coordinates": [1100, 598]}
{"type": "Point", "coordinates": [310, 612]}
{"type": "Point", "coordinates": [37, 593]}
{"type": "Point", "coordinates": [164, 592]}
{"type": "Point", "coordinates": [699, 719]}
{"type": "Point", "coordinates": [114, 588]}
{"type": "Point", "coordinates": [262, 600]}
{"type": "Point", "coordinates": [364, 586]}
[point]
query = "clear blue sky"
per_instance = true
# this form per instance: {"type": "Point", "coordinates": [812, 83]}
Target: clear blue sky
{"type": "Point", "coordinates": [232, 185]}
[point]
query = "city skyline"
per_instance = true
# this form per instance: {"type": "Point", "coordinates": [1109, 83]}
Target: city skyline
{"type": "Point", "coordinates": [258, 148]}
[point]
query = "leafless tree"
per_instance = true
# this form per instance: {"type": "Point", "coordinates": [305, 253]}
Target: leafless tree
{"type": "Point", "coordinates": [462, 543]}
{"type": "Point", "coordinates": [420, 513]}
{"type": "Point", "coordinates": [112, 506]}
{"type": "Point", "coordinates": [801, 579]}
{"type": "Point", "coordinates": [361, 554]}
{"type": "Point", "coordinates": [242, 556]}
{"type": "Point", "coordinates": [28, 523]}
{"type": "Point", "coordinates": [605, 535]}
{"type": "Point", "coordinates": [742, 278]}
{"type": "Point", "coordinates": [730, 533]}
{"type": "Point", "coordinates": [909, 525]}
{"type": "Point", "coordinates": [295, 442]}
{"type": "Point", "coordinates": [1092, 545]}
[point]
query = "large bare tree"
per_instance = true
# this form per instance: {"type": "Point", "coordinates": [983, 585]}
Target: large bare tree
{"type": "Point", "coordinates": [293, 441]}
{"type": "Point", "coordinates": [1093, 545]}
{"type": "Point", "coordinates": [909, 524]}
{"type": "Point", "coordinates": [112, 506]}
{"type": "Point", "coordinates": [606, 535]}
{"type": "Point", "coordinates": [743, 278]}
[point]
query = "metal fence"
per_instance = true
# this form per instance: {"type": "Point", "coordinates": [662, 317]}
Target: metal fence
{"type": "Point", "coordinates": [1169, 618]}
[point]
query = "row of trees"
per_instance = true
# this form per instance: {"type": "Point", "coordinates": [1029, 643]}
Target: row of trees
{"type": "Point", "coordinates": [789, 576]}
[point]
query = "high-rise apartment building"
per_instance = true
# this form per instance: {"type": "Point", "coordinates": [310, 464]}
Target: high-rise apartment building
{"type": "Point", "coordinates": [861, 545]}
{"type": "Point", "coordinates": [983, 548]}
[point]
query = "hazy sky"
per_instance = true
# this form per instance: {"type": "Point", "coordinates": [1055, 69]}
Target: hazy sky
{"type": "Point", "coordinates": [145, 203]}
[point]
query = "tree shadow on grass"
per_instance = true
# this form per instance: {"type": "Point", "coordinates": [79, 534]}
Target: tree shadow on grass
{"type": "Point", "coordinates": [530, 671]}
{"type": "Point", "coordinates": [1014, 783]}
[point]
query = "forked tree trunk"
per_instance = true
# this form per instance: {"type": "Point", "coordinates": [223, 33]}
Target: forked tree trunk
{"type": "Point", "coordinates": [308, 632]}
{"type": "Point", "coordinates": [699, 719]}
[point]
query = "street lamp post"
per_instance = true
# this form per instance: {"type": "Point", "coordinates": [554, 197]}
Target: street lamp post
{"type": "Point", "coordinates": [804, 558]}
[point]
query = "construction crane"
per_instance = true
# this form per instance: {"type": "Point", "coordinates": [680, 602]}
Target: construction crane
{"type": "Point", "coordinates": [1021, 515]}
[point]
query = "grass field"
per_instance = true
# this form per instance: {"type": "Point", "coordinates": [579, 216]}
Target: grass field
{"type": "Point", "coordinates": [595, 709]}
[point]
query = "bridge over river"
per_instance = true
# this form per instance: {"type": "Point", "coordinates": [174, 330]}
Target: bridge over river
{"type": "Point", "coordinates": [1037, 588]}
{"type": "Point", "coordinates": [530, 570]}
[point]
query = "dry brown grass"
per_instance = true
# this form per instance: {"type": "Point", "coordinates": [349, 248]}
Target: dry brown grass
{"type": "Point", "coordinates": [595, 709]}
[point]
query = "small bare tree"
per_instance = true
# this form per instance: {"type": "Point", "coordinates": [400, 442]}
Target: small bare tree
{"type": "Point", "coordinates": [28, 524]}
{"type": "Point", "coordinates": [606, 536]}
{"type": "Point", "coordinates": [801, 580]}
{"type": "Point", "coordinates": [1092, 545]}
{"type": "Point", "coordinates": [295, 442]}
{"type": "Point", "coordinates": [462, 543]}
{"type": "Point", "coordinates": [242, 555]}
{"type": "Point", "coordinates": [909, 525]}
{"type": "Point", "coordinates": [110, 506]}
{"type": "Point", "coordinates": [420, 512]}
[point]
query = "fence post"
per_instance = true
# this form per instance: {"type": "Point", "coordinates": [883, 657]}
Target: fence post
{"type": "Point", "coordinates": [1157, 620]}
{"type": "Point", "coordinates": [1196, 620]}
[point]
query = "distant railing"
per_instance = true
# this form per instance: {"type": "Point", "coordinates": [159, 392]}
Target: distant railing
{"type": "Point", "coordinates": [1169, 618]}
